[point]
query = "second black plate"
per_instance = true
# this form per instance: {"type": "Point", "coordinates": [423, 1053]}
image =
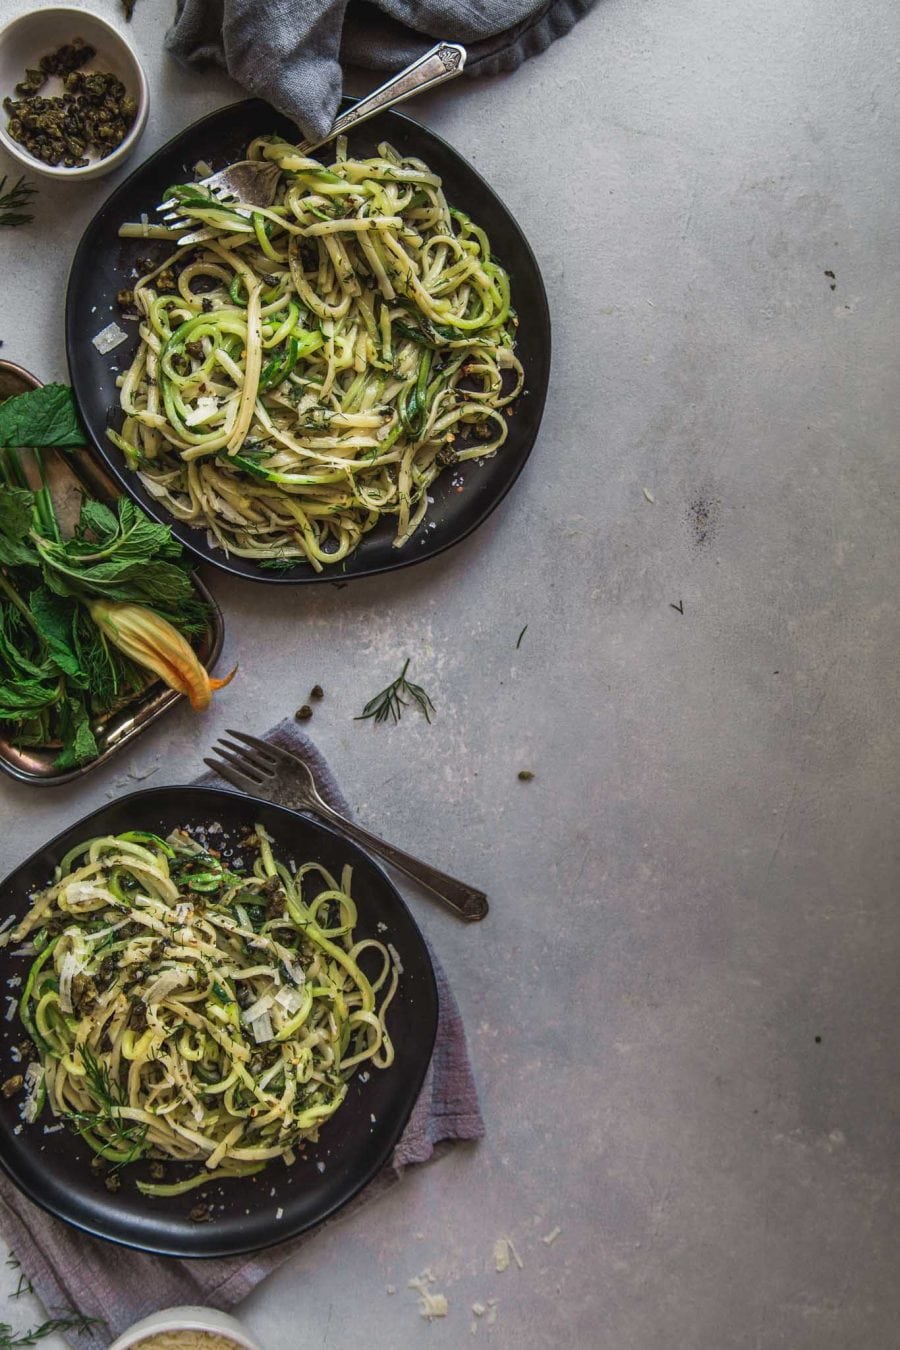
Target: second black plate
{"type": "Point", "coordinates": [53, 1167]}
{"type": "Point", "coordinates": [104, 264]}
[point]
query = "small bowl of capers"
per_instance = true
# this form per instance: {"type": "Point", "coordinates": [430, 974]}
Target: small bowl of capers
{"type": "Point", "coordinates": [74, 97]}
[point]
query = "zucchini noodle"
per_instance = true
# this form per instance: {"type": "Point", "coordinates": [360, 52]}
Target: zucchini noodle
{"type": "Point", "coordinates": [186, 1012]}
{"type": "Point", "coordinates": [314, 366]}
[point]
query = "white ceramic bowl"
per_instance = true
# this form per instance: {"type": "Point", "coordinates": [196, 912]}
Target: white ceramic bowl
{"type": "Point", "coordinates": [31, 36]}
{"type": "Point", "coordinates": [187, 1319]}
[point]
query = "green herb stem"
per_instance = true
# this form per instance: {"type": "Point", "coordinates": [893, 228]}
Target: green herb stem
{"type": "Point", "coordinates": [13, 200]}
{"type": "Point", "coordinates": [70, 1321]}
{"type": "Point", "coordinates": [43, 502]}
{"type": "Point", "coordinates": [390, 702]}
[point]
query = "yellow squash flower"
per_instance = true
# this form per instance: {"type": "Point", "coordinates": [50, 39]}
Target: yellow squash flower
{"type": "Point", "coordinates": [151, 641]}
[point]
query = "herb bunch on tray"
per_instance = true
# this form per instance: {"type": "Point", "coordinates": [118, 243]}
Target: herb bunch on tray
{"type": "Point", "coordinates": [89, 620]}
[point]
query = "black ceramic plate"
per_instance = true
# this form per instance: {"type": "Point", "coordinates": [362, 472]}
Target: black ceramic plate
{"type": "Point", "coordinates": [54, 1169]}
{"type": "Point", "coordinates": [104, 264]}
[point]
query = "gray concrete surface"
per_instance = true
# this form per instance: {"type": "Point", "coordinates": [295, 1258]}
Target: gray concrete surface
{"type": "Point", "coordinates": [684, 1009]}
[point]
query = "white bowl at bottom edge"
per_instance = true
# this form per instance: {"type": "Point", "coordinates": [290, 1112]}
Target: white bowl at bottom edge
{"type": "Point", "coordinates": [187, 1319]}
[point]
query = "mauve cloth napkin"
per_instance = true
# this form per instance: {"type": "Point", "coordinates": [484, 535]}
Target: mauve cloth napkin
{"type": "Point", "coordinates": [290, 52]}
{"type": "Point", "coordinates": [70, 1270]}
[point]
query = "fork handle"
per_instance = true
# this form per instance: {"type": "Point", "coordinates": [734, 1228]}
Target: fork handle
{"type": "Point", "coordinates": [443, 62]}
{"type": "Point", "coordinates": [466, 901]}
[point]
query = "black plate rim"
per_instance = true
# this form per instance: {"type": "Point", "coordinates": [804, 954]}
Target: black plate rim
{"type": "Point", "coordinates": [373, 1165]}
{"type": "Point", "coordinates": [215, 558]}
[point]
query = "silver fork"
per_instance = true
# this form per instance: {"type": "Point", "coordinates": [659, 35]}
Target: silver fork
{"type": "Point", "coordinates": [254, 182]}
{"type": "Point", "coordinates": [262, 769]}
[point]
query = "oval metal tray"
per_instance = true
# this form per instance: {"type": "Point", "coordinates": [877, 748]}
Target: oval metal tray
{"type": "Point", "coordinates": [70, 475]}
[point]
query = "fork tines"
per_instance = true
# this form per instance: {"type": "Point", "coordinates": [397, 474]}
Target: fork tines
{"type": "Point", "coordinates": [264, 748]}
{"type": "Point", "coordinates": [250, 766]}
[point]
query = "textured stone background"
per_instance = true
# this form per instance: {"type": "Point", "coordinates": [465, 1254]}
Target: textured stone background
{"type": "Point", "coordinates": [698, 882]}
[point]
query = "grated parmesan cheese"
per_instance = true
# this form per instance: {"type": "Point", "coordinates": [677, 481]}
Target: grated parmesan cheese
{"type": "Point", "coordinates": [204, 408]}
{"type": "Point", "coordinates": [257, 1009]}
{"type": "Point", "coordinates": [85, 894]}
{"type": "Point", "coordinates": [109, 338]}
{"type": "Point", "coordinates": [503, 1249]}
{"type": "Point", "coordinates": [262, 1029]}
{"type": "Point", "coordinates": [289, 999]}
{"type": "Point", "coordinates": [34, 1078]}
{"type": "Point", "coordinates": [551, 1237]}
{"type": "Point", "coordinates": [296, 972]}
{"type": "Point", "coordinates": [186, 1339]}
{"type": "Point", "coordinates": [430, 1305]}
{"type": "Point", "coordinates": [433, 1305]}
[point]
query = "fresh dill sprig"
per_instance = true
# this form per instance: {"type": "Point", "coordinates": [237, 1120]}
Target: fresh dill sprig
{"type": "Point", "coordinates": [391, 702]}
{"type": "Point", "coordinates": [280, 564]}
{"type": "Point", "coordinates": [70, 1321]}
{"type": "Point", "coordinates": [12, 202]}
{"type": "Point", "coordinates": [108, 1096]}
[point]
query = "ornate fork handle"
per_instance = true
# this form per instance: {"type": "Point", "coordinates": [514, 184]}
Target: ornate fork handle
{"type": "Point", "coordinates": [443, 62]}
{"type": "Point", "coordinates": [467, 901]}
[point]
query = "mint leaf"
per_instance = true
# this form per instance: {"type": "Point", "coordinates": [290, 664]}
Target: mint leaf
{"type": "Point", "coordinates": [79, 743]}
{"type": "Point", "coordinates": [16, 505]}
{"type": "Point", "coordinates": [97, 518]}
{"type": "Point", "coordinates": [138, 562]}
{"type": "Point", "coordinates": [145, 538]}
{"type": "Point", "coordinates": [41, 417]}
{"type": "Point", "coordinates": [54, 618]}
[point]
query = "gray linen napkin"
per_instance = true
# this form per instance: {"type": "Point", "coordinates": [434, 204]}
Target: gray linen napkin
{"type": "Point", "coordinates": [68, 1269]}
{"type": "Point", "coordinates": [289, 52]}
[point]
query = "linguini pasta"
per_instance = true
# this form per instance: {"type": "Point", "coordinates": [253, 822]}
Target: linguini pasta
{"type": "Point", "coordinates": [313, 366]}
{"type": "Point", "coordinates": [187, 1012]}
